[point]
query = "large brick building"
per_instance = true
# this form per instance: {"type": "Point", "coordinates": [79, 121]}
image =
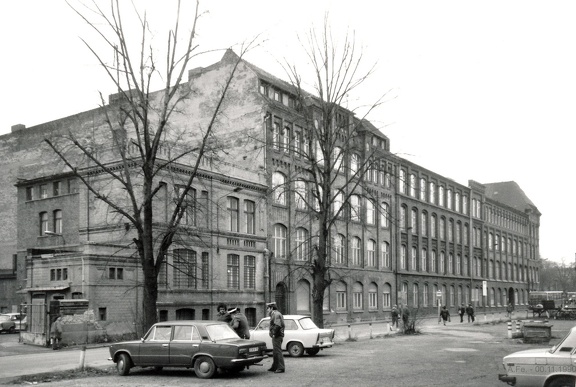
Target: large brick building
{"type": "Point", "coordinates": [419, 236]}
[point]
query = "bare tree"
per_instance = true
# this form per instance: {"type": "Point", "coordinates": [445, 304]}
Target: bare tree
{"type": "Point", "coordinates": [124, 161]}
{"type": "Point", "coordinates": [336, 162]}
{"type": "Point", "coordinates": [557, 276]}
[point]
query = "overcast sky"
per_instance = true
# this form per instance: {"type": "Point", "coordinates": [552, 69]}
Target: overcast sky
{"type": "Point", "coordinates": [481, 90]}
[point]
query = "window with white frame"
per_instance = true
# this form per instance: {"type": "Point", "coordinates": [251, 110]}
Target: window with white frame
{"type": "Point", "coordinates": [425, 298]}
{"type": "Point", "coordinates": [413, 258]}
{"type": "Point", "coordinates": [43, 223]}
{"type": "Point", "coordinates": [441, 196]}
{"type": "Point", "coordinates": [356, 251]}
{"type": "Point", "coordinates": [302, 244]}
{"type": "Point", "coordinates": [424, 224]}
{"type": "Point", "coordinates": [357, 295]}
{"type": "Point", "coordinates": [386, 298]}
{"type": "Point", "coordinates": [403, 257]}
{"type": "Point", "coordinates": [233, 271]}
{"type": "Point", "coordinates": [184, 268]}
{"type": "Point", "coordinates": [449, 198]}
{"type": "Point", "coordinates": [422, 189]}
{"type": "Point", "coordinates": [337, 158]}
{"type": "Point", "coordinates": [385, 254]}
{"type": "Point", "coordinates": [279, 241]}
{"type": "Point", "coordinates": [300, 193]}
{"type": "Point", "coordinates": [385, 215]}
{"type": "Point", "coordinates": [58, 221]}
{"type": "Point", "coordinates": [432, 193]}
{"type": "Point", "coordinates": [415, 295]}
{"type": "Point", "coordinates": [442, 264]}
{"type": "Point", "coordinates": [233, 217]}
{"type": "Point", "coordinates": [249, 272]}
{"type": "Point", "coordinates": [442, 228]}
{"type": "Point", "coordinates": [341, 299]}
{"type": "Point", "coordinates": [279, 188]}
{"type": "Point", "coordinates": [433, 221]}
{"type": "Point", "coordinates": [339, 248]}
{"type": "Point", "coordinates": [412, 185]}
{"type": "Point", "coordinates": [433, 262]}
{"type": "Point", "coordinates": [414, 221]}
{"type": "Point", "coordinates": [457, 201]}
{"type": "Point", "coordinates": [372, 296]}
{"type": "Point", "coordinates": [370, 212]}
{"type": "Point", "coordinates": [402, 181]}
{"type": "Point", "coordinates": [354, 163]}
{"type": "Point", "coordinates": [371, 253]}
{"type": "Point", "coordinates": [338, 203]}
{"type": "Point", "coordinates": [450, 263]}
{"type": "Point", "coordinates": [355, 208]}
{"type": "Point", "coordinates": [250, 217]}
{"type": "Point", "coordinates": [423, 260]}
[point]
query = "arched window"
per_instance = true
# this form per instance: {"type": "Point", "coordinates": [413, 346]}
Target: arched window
{"type": "Point", "coordinates": [301, 194]}
{"type": "Point", "coordinates": [372, 296]}
{"type": "Point", "coordinates": [303, 297]}
{"type": "Point", "coordinates": [385, 215]}
{"type": "Point", "coordinates": [403, 257]}
{"type": "Point", "coordinates": [386, 298]}
{"type": "Point", "coordinates": [423, 260]}
{"type": "Point", "coordinates": [355, 208]}
{"type": "Point", "coordinates": [341, 299]}
{"type": "Point", "coordinates": [279, 241]}
{"type": "Point", "coordinates": [385, 255]}
{"type": "Point", "coordinates": [339, 248]}
{"type": "Point", "coordinates": [370, 212]}
{"type": "Point", "coordinates": [357, 296]}
{"type": "Point", "coordinates": [371, 253]}
{"type": "Point", "coordinates": [415, 292]}
{"type": "Point", "coordinates": [356, 251]}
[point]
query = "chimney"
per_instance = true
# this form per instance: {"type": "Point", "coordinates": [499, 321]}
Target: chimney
{"type": "Point", "coordinates": [18, 127]}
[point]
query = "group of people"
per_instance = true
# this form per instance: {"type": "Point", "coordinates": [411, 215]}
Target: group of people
{"type": "Point", "coordinates": [403, 313]}
{"type": "Point", "coordinates": [463, 310]}
{"type": "Point", "coordinates": [238, 321]}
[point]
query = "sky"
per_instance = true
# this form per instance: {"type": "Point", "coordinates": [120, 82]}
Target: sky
{"type": "Point", "coordinates": [475, 90]}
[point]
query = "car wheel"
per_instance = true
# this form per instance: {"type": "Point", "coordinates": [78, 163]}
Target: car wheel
{"type": "Point", "coordinates": [204, 367]}
{"type": "Point", "coordinates": [12, 330]}
{"type": "Point", "coordinates": [562, 381]}
{"type": "Point", "coordinates": [312, 351]}
{"type": "Point", "coordinates": [123, 364]}
{"type": "Point", "coordinates": [158, 368]}
{"type": "Point", "coordinates": [295, 349]}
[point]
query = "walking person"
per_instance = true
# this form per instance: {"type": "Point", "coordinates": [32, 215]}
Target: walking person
{"type": "Point", "coordinates": [56, 332]}
{"type": "Point", "coordinates": [470, 312]}
{"type": "Point", "coordinates": [395, 315]}
{"type": "Point", "coordinates": [462, 312]}
{"type": "Point", "coordinates": [509, 310]}
{"type": "Point", "coordinates": [444, 315]}
{"type": "Point", "coordinates": [277, 335]}
{"type": "Point", "coordinates": [239, 323]}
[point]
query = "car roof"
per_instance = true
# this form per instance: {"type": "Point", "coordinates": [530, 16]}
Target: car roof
{"type": "Point", "coordinates": [291, 316]}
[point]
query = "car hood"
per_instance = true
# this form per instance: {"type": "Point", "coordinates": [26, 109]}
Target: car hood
{"type": "Point", "coordinates": [528, 353]}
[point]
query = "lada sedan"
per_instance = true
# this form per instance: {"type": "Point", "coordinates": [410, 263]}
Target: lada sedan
{"type": "Point", "coordinates": [546, 367]}
{"type": "Point", "coordinates": [300, 334]}
{"type": "Point", "coordinates": [204, 346]}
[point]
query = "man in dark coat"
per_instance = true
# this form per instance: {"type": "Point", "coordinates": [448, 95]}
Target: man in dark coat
{"type": "Point", "coordinates": [277, 335]}
{"type": "Point", "coordinates": [222, 314]}
{"type": "Point", "coordinates": [239, 323]}
{"type": "Point", "coordinates": [470, 312]}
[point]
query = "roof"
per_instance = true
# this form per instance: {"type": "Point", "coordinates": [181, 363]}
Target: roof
{"type": "Point", "coordinates": [44, 289]}
{"type": "Point", "coordinates": [510, 194]}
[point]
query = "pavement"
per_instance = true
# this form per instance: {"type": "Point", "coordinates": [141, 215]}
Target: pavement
{"type": "Point", "coordinates": [18, 359]}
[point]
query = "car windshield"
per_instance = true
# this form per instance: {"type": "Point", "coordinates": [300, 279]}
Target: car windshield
{"type": "Point", "coordinates": [567, 344]}
{"type": "Point", "coordinates": [4, 318]}
{"type": "Point", "coordinates": [307, 323]}
{"type": "Point", "coordinates": [220, 332]}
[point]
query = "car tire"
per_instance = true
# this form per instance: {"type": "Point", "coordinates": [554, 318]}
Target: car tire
{"type": "Point", "coordinates": [562, 381]}
{"type": "Point", "coordinates": [158, 368]}
{"type": "Point", "coordinates": [204, 367]}
{"type": "Point", "coordinates": [123, 364]}
{"type": "Point", "coordinates": [295, 349]}
{"type": "Point", "coordinates": [312, 351]}
{"type": "Point", "coordinates": [12, 330]}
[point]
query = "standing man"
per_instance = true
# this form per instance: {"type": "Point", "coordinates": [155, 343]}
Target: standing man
{"type": "Point", "coordinates": [395, 314]}
{"type": "Point", "coordinates": [470, 312]}
{"type": "Point", "coordinates": [462, 312]}
{"type": "Point", "coordinates": [239, 323]}
{"type": "Point", "coordinates": [56, 332]}
{"type": "Point", "coordinates": [509, 310]}
{"type": "Point", "coordinates": [277, 335]}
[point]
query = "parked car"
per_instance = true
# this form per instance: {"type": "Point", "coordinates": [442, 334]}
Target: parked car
{"type": "Point", "coordinates": [203, 345]}
{"type": "Point", "coordinates": [300, 334]}
{"type": "Point", "coordinates": [20, 321]}
{"type": "Point", "coordinates": [6, 324]}
{"type": "Point", "coordinates": [545, 367]}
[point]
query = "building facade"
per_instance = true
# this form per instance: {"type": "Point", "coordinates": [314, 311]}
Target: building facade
{"type": "Point", "coordinates": [409, 235]}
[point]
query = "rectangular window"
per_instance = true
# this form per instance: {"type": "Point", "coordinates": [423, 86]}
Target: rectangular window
{"type": "Point", "coordinates": [357, 300]}
{"type": "Point", "coordinates": [57, 188]}
{"type": "Point", "coordinates": [386, 299]}
{"type": "Point", "coordinates": [43, 191]}
{"type": "Point", "coordinates": [341, 300]}
{"type": "Point", "coordinates": [372, 300]}
{"type": "Point", "coordinates": [29, 193]}
{"type": "Point", "coordinates": [249, 272]}
{"type": "Point", "coordinates": [102, 314]}
{"type": "Point", "coordinates": [184, 268]}
{"type": "Point", "coordinates": [250, 216]}
{"type": "Point", "coordinates": [233, 213]}
{"type": "Point", "coordinates": [205, 270]}
{"type": "Point", "coordinates": [188, 205]}
{"type": "Point", "coordinates": [43, 223]}
{"type": "Point", "coordinates": [58, 222]}
{"type": "Point", "coordinates": [233, 272]}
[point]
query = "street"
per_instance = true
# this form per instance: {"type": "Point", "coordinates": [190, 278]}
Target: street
{"type": "Point", "coordinates": [453, 355]}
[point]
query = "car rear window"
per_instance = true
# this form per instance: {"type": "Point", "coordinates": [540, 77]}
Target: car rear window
{"type": "Point", "coordinates": [307, 323]}
{"type": "Point", "coordinates": [4, 318]}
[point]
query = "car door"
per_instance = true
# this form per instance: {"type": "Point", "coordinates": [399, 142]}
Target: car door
{"type": "Point", "coordinates": [184, 345]}
{"type": "Point", "coordinates": [262, 333]}
{"type": "Point", "coordinates": [155, 349]}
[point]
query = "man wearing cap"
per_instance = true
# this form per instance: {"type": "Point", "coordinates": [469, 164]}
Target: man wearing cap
{"type": "Point", "coordinates": [277, 335]}
{"type": "Point", "coordinates": [239, 323]}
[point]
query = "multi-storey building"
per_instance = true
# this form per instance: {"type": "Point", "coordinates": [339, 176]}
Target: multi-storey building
{"type": "Point", "coordinates": [409, 235]}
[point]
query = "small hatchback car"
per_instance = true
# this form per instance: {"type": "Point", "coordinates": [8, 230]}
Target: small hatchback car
{"type": "Point", "coordinates": [7, 324]}
{"type": "Point", "coordinates": [203, 345]}
{"type": "Point", "coordinates": [545, 367]}
{"type": "Point", "coordinates": [300, 334]}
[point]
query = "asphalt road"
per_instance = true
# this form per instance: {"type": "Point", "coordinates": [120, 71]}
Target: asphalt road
{"type": "Point", "coordinates": [454, 355]}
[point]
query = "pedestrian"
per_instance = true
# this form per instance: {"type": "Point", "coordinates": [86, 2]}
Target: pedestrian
{"type": "Point", "coordinates": [222, 314]}
{"type": "Point", "coordinates": [444, 315]}
{"type": "Point", "coordinates": [239, 323]}
{"type": "Point", "coordinates": [56, 332]}
{"type": "Point", "coordinates": [277, 335]}
{"type": "Point", "coordinates": [509, 310]}
{"type": "Point", "coordinates": [462, 312]}
{"type": "Point", "coordinates": [470, 312]}
{"type": "Point", "coordinates": [405, 312]}
{"type": "Point", "coordinates": [394, 314]}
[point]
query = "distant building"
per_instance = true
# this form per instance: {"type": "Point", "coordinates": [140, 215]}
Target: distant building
{"type": "Point", "coordinates": [420, 236]}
